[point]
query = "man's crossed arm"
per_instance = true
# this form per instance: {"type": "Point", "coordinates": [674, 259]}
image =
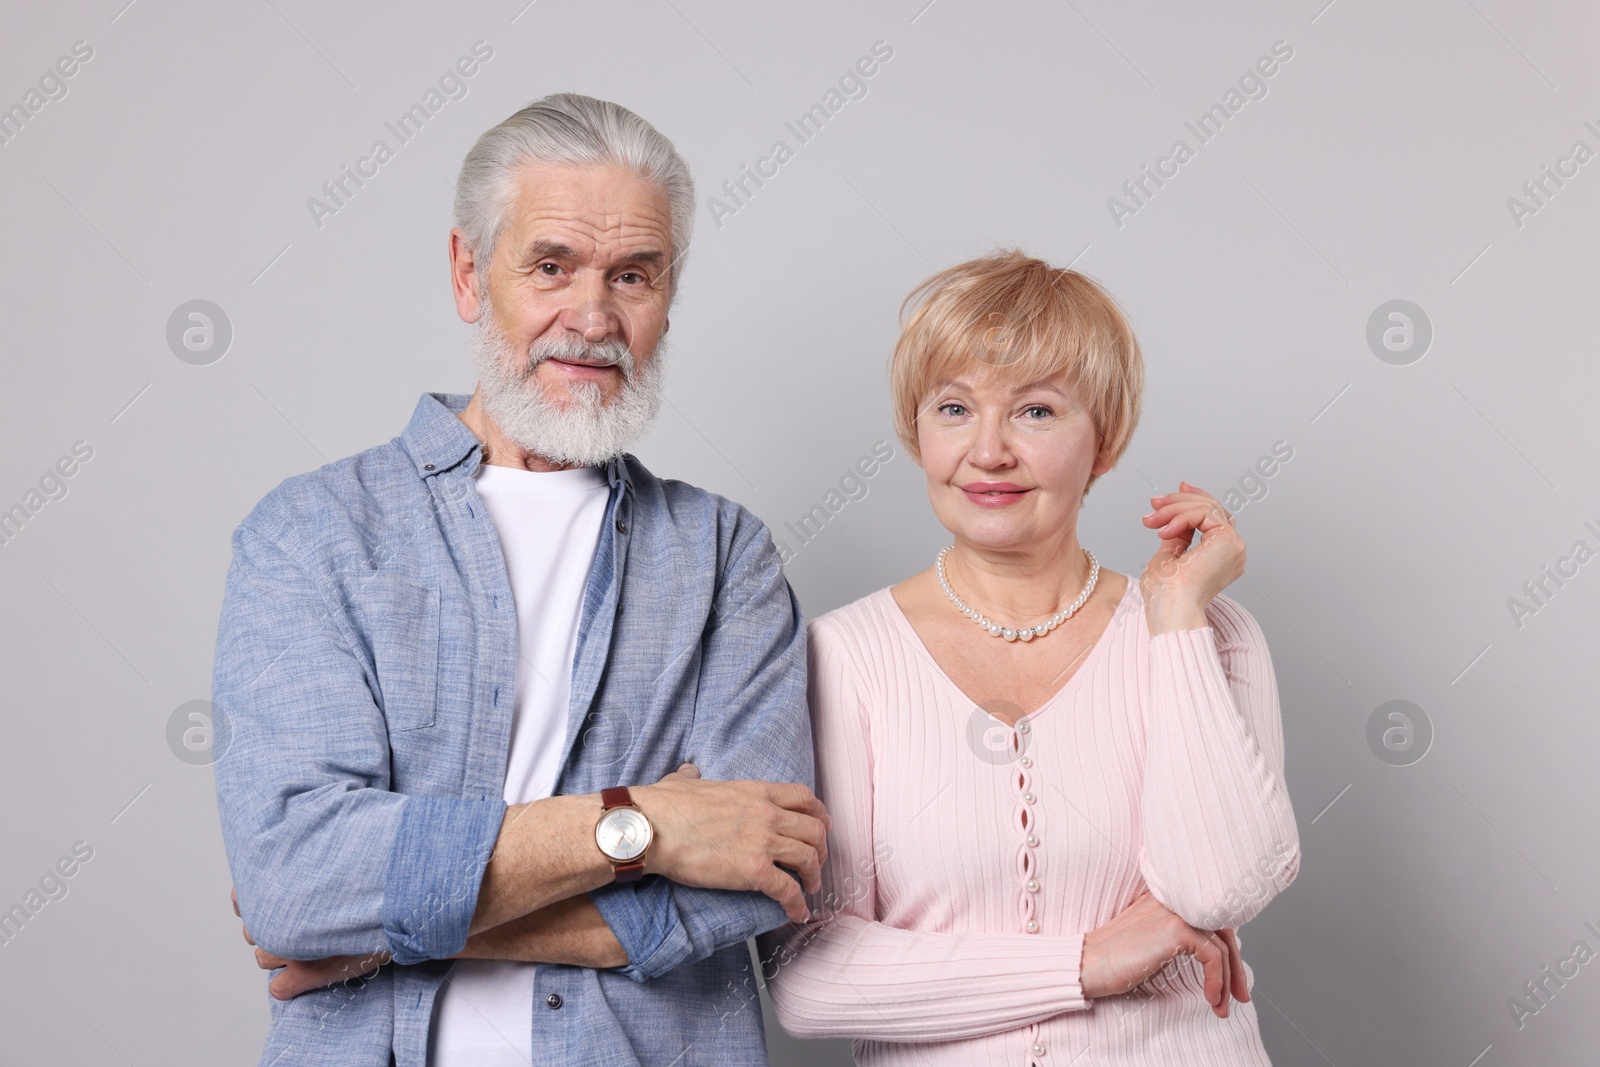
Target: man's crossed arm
{"type": "Point", "coordinates": [719, 835]}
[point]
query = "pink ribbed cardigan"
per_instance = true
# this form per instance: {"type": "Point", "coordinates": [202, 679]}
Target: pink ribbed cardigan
{"type": "Point", "coordinates": [968, 858]}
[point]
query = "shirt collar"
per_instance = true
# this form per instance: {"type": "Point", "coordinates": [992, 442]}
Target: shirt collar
{"type": "Point", "coordinates": [437, 440]}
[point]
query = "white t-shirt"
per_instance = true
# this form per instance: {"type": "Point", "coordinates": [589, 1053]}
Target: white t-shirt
{"type": "Point", "coordinates": [549, 527]}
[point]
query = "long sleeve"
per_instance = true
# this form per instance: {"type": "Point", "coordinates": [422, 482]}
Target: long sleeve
{"type": "Point", "coordinates": [1220, 839]}
{"type": "Point", "coordinates": [845, 973]}
{"type": "Point", "coordinates": [326, 858]}
{"type": "Point", "coordinates": [750, 724]}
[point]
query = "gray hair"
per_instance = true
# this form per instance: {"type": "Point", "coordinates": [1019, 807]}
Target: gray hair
{"type": "Point", "coordinates": [567, 129]}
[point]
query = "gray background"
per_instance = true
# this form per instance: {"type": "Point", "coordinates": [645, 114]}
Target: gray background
{"type": "Point", "coordinates": [1382, 557]}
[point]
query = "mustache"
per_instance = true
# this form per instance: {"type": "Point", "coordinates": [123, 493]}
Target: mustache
{"type": "Point", "coordinates": [577, 350]}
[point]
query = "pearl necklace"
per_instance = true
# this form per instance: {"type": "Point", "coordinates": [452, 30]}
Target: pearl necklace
{"type": "Point", "coordinates": [1028, 634]}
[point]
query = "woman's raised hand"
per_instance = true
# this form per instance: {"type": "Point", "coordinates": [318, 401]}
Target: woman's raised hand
{"type": "Point", "coordinates": [1143, 938]}
{"type": "Point", "coordinates": [1180, 581]}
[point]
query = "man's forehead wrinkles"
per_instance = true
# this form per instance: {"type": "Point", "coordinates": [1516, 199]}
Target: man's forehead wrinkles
{"type": "Point", "coordinates": [582, 235]}
{"type": "Point", "coordinates": [599, 221]}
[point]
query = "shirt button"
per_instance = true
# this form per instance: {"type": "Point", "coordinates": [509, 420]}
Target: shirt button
{"type": "Point", "coordinates": [622, 526]}
{"type": "Point", "coordinates": [554, 1000]}
{"type": "Point", "coordinates": [427, 466]}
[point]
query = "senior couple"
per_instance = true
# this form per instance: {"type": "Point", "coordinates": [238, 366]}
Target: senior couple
{"type": "Point", "coordinates": [527, 742]}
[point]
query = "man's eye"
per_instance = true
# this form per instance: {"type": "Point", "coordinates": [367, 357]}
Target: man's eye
{"type": "Point", "coordinates": [549, 270]}
{"type": "Point", "coordinates": [630, 277]}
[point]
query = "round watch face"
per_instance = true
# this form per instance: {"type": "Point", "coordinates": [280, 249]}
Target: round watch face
{"type": "Point", "coordinates": [623, 834]}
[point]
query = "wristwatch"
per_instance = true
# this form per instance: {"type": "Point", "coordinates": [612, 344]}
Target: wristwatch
{"type": "Point", "coordinates": [623, 833]}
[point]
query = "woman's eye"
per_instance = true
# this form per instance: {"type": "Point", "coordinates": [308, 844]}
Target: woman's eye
{"type": "Point", "coordinates": [1043, 412]}
{"type": "Point", "coordinates": [951, 409]}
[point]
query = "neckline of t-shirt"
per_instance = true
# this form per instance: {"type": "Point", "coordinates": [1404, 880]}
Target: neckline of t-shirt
{"type": "Point", "coordinates": [542, 483]}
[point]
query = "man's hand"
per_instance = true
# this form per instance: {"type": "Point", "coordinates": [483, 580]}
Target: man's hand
{"type": "Point", "coordinates": [299, 976]}
{"type": "Point", "coordinates": [1143, 938]}
{"type": "Point", "coordinates": [737, 835]}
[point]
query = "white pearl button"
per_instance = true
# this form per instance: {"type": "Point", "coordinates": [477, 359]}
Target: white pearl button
{"type": "Point", "coordinates": [1026, 761]}
{"type": "Point", "coordinates": [1033, 885]}
{"type": "Point", "coordinates": [1027, 798]}
{"type": "Point", "coordinates": [1038, 1049]}
{"type": "Point", "coordinates": [1033, 926]}
{"type": "Point", "coordinates": [1024, 728]}
{"type": "Point", "coordinates": [1033, 842]}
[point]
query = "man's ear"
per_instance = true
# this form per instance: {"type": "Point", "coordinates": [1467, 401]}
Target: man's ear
{"type": "Point", "coordinates": [465, 277]}
{"type": "Point", "coordinates": [666, 324]}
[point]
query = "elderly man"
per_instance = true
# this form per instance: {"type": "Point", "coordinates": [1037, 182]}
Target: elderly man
{"type": "Point", "coordinates": [517, 730]}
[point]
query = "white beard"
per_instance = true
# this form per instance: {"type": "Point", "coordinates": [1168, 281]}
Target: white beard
{"type": "Point", "coordinates": [584, 431]}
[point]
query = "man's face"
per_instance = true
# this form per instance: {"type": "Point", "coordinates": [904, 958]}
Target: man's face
{"type": "Point", "coordinates": [583, 258]}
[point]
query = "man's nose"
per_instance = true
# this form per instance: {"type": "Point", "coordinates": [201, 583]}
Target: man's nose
{"type": "Point", "coordinates": [595, 325]}
{"type": "Point", "coordinates": [595, 317]}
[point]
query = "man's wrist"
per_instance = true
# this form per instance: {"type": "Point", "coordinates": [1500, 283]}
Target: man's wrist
{"type": "Point", "coordinates": [548, 856]}
{"type": "Point", "coordinates": [647, 798]}
{"type": "Point", "coordinates": [624, 833]}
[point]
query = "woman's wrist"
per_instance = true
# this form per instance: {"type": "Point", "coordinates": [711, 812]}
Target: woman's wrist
{"type": "Point", "coordinates": [1168, 618]}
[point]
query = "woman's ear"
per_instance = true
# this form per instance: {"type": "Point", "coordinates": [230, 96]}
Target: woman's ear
{"type": "Point", "coordinates": [1103, 463]}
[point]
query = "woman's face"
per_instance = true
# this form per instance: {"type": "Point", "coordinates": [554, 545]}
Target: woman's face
{"type": "Point", "coordinates": [1007, 460]}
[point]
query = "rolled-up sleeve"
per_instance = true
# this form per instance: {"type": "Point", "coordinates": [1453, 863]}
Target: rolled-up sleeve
{"type": "Point", "coordinates": [326, 858]}
{"type": "Point", "coordinates": [751, 722]}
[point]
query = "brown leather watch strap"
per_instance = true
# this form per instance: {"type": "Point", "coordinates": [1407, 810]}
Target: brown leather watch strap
{"type": "Point", "coordinates": [617, 796]}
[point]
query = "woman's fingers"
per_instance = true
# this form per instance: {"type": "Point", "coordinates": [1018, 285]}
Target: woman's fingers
{"type": "Point", "coordinates": [1180, 518]}
{"type": "Point", "coordinates": [1213, 959]}
{"type": "Point", "coordinates": [1241, 983]}
{"type": "Point", "coordinates": [1191, 508]}
{"type": "Point", "coordinates": [1227, 974]}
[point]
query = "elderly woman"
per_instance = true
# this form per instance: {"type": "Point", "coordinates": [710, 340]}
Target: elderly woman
{"type": "Point", "coordinates": [1055, 789]}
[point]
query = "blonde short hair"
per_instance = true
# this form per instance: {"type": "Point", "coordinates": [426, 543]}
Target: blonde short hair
{"type": "Point", "coordinates": [1029, 319]}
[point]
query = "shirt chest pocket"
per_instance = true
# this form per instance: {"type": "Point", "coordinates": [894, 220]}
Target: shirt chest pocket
{"type": "Point", "coordinates": [403, 622]}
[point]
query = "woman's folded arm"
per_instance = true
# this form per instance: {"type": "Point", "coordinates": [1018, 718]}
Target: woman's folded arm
{"type": "Point", "coordinates": [850, 976]}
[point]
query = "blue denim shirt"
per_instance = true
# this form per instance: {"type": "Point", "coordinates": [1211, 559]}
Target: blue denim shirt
{"type": "Point", "coordinates": [363, 688]}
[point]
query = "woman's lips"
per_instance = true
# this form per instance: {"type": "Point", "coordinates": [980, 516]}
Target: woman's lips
{"type": "Point", "coordinates": [994, 497]}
